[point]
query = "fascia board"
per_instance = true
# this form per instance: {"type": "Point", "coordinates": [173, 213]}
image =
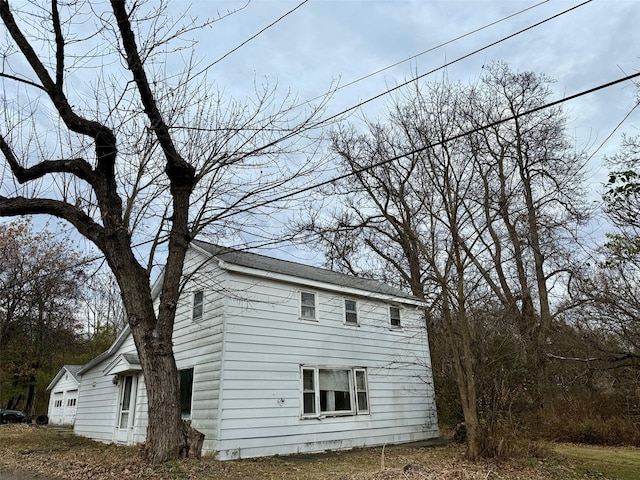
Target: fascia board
{"type": "Point", "coordinates": [318, 285]}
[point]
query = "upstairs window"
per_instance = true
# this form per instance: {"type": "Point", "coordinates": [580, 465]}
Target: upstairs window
{"type": "Point", "coordinates": [334, 391]}
{"type": "Point", "coordinates": [308, 306]}
{"type": "Point", "coordinates": [350, 312]}
{"type": "Point", "coordinates": [198, 305]}
{"type": "Point", "coordinates": [394, 317]}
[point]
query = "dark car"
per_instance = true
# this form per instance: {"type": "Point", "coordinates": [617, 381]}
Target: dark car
{"type": "Point", "coordinates": [13, 416]}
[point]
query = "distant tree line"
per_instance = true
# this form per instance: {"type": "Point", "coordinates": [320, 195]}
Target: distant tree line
{"type": "Point", "coordinates": [46, 299]}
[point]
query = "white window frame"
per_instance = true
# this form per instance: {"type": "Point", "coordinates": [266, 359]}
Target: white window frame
{"type": "Point", "coordinates": [353, 312]}
{"type": "Point", "coordinates": [313, 318]}
{"type": "Point", "coordinates": [197, 309]}
{"type": "Point", "coordinates": [353, 392]}
{"type": "Point", "coordinates": [391, 318]}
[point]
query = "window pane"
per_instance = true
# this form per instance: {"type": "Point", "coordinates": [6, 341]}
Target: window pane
{"type": "Point", "coordinates": [335, 392]}
{"type": "Point", "coordinates": [362, 401]}
{"type": "Point", "coordinates": [351, 312]}
{"type": "Point", "coordinates": [361, 391]}
{"type": "Point", "coordinates": [309, 403]}
{"type": "Point", "coordinates": [394, 314]}
{"type": "Point", "coordinates": [307, 378]}
{"type": "Point", "coordinates": [126, 393]}
{"type": "Point", "coordinates": [186, 386]}
{"type": "Point", "coordinates": [198, 302]}
{"type": "Point", "coordinates": [124, 420]}
{"type": "Point", "coordinates": [360, 380]}
{"type": "Point", "coordinates": [308, 305]}
{"type": "Point", "coordinates": [334, 380]}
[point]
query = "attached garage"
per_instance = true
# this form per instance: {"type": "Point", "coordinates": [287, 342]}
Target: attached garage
{"type": "Point", "coordinates": [64, 396]}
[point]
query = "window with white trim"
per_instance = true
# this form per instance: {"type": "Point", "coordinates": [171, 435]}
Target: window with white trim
{"type": "Point", "coordinates": [308, 307]}
{"type": "Point", "coordinates": [394, 316]}
{"type": "Point", "coordinates": [198, 305]}
{"type": "Point", "coordinates": [350, 312]}
{"type": "Point", "coordinates": [334, 391]}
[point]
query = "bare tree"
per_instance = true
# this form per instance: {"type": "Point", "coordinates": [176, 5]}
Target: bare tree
{"type": "Point", "coordinates": [106, 128]}
{"type": "Point", "coordinates": [479, 221]}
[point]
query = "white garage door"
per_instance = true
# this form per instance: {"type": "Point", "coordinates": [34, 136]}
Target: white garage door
{"type": "Point", "coordinates": [70, 406]}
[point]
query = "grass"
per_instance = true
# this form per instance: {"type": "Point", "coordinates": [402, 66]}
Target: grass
{"type": "Point", "coordinates": [609, 463]}
{"type": "Point", "coordinates": [54, 454]}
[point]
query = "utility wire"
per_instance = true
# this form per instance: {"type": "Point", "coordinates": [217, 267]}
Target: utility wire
{"type": "Point", "coordinates": [413, 80]}
{"type": "Point", "coordinates": [443, 44]}
{"type": "Point", "coordinates": [326, 121]}
{"type": "Point", "coordinates": [249, 39]}
{"type": "Point", "coordinates": [412, 152]}
{"type": "Point", "coordinates": [436, 144]}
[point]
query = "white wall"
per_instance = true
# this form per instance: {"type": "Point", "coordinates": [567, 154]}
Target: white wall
{"type": "Point", "coordinates": [98, 400]}
{"type": "Point", "coordinates": [65, 389]}
{"type": "Point", "coordinates": [198, 344]}
{"type": "Point", "coordinates": [265, 344]}
{"type": "Point", "coordinates": [251, 332]}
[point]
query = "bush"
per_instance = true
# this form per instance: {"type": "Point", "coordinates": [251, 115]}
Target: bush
{"type": "Point", "coordinates": [594, 430]}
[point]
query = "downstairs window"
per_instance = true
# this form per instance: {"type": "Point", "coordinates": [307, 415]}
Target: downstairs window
{"type": "Point", "coordinates": [334, 391]}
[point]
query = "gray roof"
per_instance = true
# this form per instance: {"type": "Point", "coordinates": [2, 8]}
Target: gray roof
{"type": "Point", "coordinates": [73, 370]}
{"type": "Point", "coordinates": [284, 267]}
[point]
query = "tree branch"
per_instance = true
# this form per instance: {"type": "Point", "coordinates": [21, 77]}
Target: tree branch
{"type": "Point", "coordinates": [180, 172]}
{"type": "Point", "coordinates": [38, 206]}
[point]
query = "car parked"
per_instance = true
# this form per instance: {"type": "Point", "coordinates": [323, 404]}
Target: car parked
{"type": "Point", "coordinates": [13, 416]}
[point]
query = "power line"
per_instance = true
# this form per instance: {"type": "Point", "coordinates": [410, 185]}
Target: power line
{"type": "Point", "coordinates": [436, 144]}
{"type": "Point", "coordinates": [326, 121]}
{"type": "Point", "coordinates": [443, 44]}
{"type": "Point", "coordinates": [250, 38]}
{"type": "Point", "coordinates": [412, 152]}
{"type": "Point", "coordinates": [419, 77]}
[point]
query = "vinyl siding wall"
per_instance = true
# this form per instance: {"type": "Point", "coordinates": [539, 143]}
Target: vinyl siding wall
{"type": "Point", "coordinates": [198, 344]}
{"type": "Point", "coordinates": [98, 400]}
{"type": "Point", "coordinates": [63, 390]}
{"type": "Point", "coordinates": [265, 345]}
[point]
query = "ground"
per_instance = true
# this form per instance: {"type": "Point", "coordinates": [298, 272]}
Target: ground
{"type": "Point", "coordinates": [46, 453]}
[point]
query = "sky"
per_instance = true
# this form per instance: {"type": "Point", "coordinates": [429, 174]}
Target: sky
{"type": "Point", "coordinates": [325, 41]}
{"type": "Point", "coordinates": [347, 41]}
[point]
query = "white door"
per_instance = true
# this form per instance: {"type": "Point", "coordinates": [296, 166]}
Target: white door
{"type": "Point", "coordinates": [70, 406]}
{"type": "Point", "coordinates": [126, 409]}
{"type": "Point", "coordinates": [55, 416]}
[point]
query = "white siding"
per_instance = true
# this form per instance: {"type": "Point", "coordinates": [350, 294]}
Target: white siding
{"type": "Point", "coordinates": [246, 353]}
{"type": "Point", "coordinates": [98, 400]}
{"type": "Point", "coordinates": [265, 345]}
{"type": "Point", "coordinates": [198, 344]}
{"type": "Point", "coordinates": [65, 389]}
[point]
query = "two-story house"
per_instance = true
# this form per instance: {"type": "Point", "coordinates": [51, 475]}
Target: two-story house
{"type": "Point", "coordinates": [276, 357]}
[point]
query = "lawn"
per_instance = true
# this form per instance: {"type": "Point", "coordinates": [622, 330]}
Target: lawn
{"type": "Point", "coordinates": [55, 454]}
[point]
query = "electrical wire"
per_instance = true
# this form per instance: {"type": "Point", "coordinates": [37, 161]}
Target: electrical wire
{"type": "Point", "coordinates": [436, 144]}
{"type": "Point", "coordinates": [429, 50]}
{"type": "Point", "coordinates": [448, 64]}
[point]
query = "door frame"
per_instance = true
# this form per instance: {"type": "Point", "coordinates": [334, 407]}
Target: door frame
{"type": "Point", "coordinates": [123, 431]}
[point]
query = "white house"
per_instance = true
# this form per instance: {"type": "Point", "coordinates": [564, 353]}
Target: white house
{"type": "Point", "coordinates": [276, 357]}
{"type": "Point", "coordinates": [64, 396]}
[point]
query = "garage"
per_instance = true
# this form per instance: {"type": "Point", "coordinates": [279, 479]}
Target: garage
{"type": "Point", "coordinates": [63, 401]}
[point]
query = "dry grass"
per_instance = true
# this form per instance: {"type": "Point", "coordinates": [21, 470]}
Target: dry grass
{"type": "Point", "coordinates": [62, 455]}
